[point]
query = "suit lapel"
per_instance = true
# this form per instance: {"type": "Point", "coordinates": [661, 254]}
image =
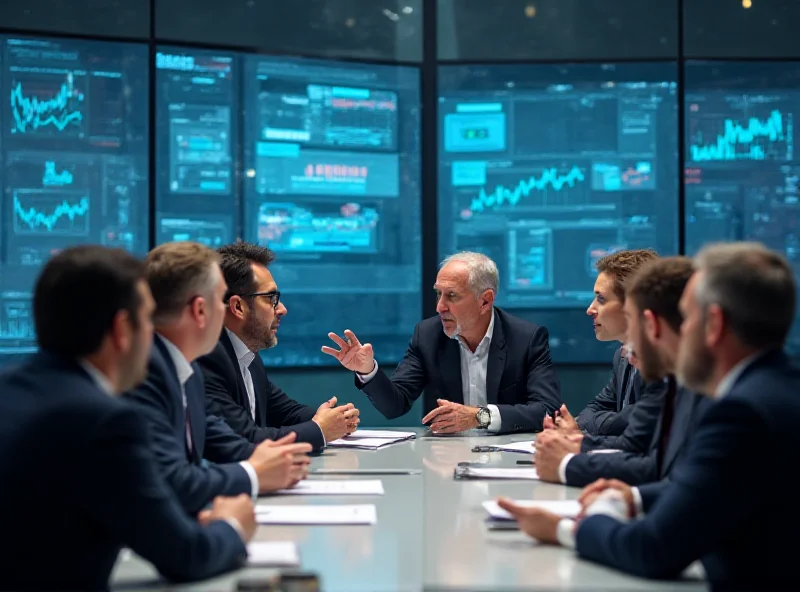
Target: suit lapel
{"type": "Point", "coordinates": [450, 365]}
{"type": "Point", "coordinates": [174, 386]}
{"type": "Point", "coordinates": [241, 390]}
{"type": "Point", "coordinates": [195, 399]}
{"type": "Point", "coordinates": [497, 361]}
{"type": "Point", "coordinates": [259, 376]}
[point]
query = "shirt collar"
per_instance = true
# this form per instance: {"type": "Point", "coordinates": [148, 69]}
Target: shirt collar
{"type": "Point", "coordinates": [729, 380]}
{"type": "Point", "coordinates": [487, 339]}
{"type": "Point", "coordinates": [182, 365]}
{"type": "Point", "coordinates": [243, 353]}
{"type": "Point", "coordinates": [100, 379]}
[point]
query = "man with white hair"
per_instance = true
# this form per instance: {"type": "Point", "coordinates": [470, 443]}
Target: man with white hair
{"type": "Point", "coordinates": [480, 367]}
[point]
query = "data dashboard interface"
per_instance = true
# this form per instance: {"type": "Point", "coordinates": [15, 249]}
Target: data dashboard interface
{"type": "Point", "coordinates": [332, 185]}
{"type": "Point", "coordinates": [197, 110]}
{"type": "Point", "coordinates": [74, 147]}
{"type": "Point", "coordinates": [742, 165]}
{"type": "Point", "coordinates": [547, 168]}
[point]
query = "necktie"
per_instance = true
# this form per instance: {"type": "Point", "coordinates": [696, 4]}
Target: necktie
{"type": "Point", "coordinates": [666, 423]}
{"type": "Point", "coordinates": [188, 420]}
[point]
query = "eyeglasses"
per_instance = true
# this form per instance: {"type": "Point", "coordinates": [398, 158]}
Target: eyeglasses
{"type": "Point", "coordinates": [274, 296]}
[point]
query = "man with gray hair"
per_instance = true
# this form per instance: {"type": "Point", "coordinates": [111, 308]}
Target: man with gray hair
{"type": "Point", "coordinates": [737, 310]}
{"type": "Point", "coordinates": [480, 367]}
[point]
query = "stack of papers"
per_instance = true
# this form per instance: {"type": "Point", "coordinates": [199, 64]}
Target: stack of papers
{"type": "Point", "coordinates": [328, 487]}
{"type": "Point", "coordinates": [361, 514]}
{"type": "Point", "coordinates": [269, 554]}
{"type": "Point", "coordinates": [495, 473]}
{"type": "Point", "coordinates": [564, 508]}
{"type": "Point", "coordinates": [372, 439]}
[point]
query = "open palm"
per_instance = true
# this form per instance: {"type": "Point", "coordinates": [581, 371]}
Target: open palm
{"type": "Point", "coordinates": [352, 354]}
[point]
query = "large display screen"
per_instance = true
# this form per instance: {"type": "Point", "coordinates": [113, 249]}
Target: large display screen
{"type": "Point", "coordinates": [547, 168]}
{"type": "Point", "coordinates": [332, 185]}
{"type": "Point", "coordinates": [742, 165]}
{"type": "Point", "coordinates": [197, 112]}
{"type": "Point", "coordinates": [74, 147]}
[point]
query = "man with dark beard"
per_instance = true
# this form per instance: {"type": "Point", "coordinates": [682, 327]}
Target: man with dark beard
{"type": "Point", "coordinates": [737, 311]}
{"type": "Point", "coordinates": [236, 382]}
{"type": "Point", "coordinates": [653, 325]}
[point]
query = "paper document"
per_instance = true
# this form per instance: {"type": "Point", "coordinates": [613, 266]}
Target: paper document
{"type": "Point", "coordinates": [368, 443]}
{"type": "Point", "coordinates": [565, 508]}
{"type": "Point", "coordinates": [495, 473]}
{"type": "Point", "coordinates": [269, 554]}
{"type": "Point", "coordinates": [526, 447]}
{"type": "Point", "coordinates": [338, 487]}
{"type": "Point", "coordinates": [380, 434]}
{"type": "Point", "coordinates": [313, 514]}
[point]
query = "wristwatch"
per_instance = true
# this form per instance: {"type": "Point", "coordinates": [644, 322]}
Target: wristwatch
{"type": "Point", "coordinates": [484, 417]}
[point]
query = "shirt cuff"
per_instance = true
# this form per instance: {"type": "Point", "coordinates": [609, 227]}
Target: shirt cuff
{"type": "Point", "coordinates": [637, 502]}
{"type": "Point", "coordinates": [562, 468]}
{"type": "Point", "coordinates": [496, 422]}
{"type": "Point", "coordinates": [235, 525]}
{"type": "Point", "coordinates": [565, 533]}
{"type": "Point", "coordinates": [324, 441]}
{"type": "Point", "coordinates": [610, 503]}
{"type": "Point", "coordinates": [365, 378]}
{"type": "Point", "coordinates": [251, 472]}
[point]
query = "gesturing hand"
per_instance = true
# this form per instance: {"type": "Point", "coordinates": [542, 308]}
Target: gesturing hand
{"type": "Point", "coordinates": [352, 355]}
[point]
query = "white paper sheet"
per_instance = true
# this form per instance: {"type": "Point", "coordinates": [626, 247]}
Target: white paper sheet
{"type": "Point", "coordinates": [526, 447]}
{"type": "Point", "coordinates": [368, 443]}
{"type": "Point", "coordinates": [500, 473]}
{"type": "Point", "coordinates": [269, 554]}
{"type": "Point", "coordinates": [565, 508]}
{"type": "Point", "coordinates": [338, 487]}
{"type": "Point", "coordinates": [314, 514]}
{"type": "Point", "coordinates": [380, 434]}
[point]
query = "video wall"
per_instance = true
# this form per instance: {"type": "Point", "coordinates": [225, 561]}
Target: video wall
{"type": "Point", "coordinates": [545, 168]}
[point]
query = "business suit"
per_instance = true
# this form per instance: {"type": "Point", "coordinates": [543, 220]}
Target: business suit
{"type": "Point", "coordinates": [642, 423]}
{"type": "Point", "coordinates": [688, 409]}
{"type": "Point", "coordinates": [520, 379]}
{"type": "Point", "coordinates": [160, 399]}
{"type": "Point", "coordinates": [609, 412]}
{"type": "Point", "coordinates": [709, 510]}
{"type": "Point", "coordinates": [79, 478]}
{"type": "Point", "coordinates": [275, 413]}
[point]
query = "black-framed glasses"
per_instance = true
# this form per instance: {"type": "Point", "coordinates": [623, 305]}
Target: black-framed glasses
{"type": "Point", "coordinates": [274, 296]}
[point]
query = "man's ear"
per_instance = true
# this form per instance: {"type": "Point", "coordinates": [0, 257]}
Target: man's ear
{"type": "Point", "coordinates": [121, 331]}
{"type": "Point", "coordinates": [714, 325]}
{"type": "Point", "coordinates": [652, 325]}
{"type": "Point", "coordinates": [236, 306]}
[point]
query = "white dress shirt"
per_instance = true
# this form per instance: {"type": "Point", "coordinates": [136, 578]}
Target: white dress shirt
{"type": "Point", "coordinates": [474, 368]}
{"type": "Point", "coordinates": [185, 371]}
{"type": "Point", "coordinates": [245, 357]}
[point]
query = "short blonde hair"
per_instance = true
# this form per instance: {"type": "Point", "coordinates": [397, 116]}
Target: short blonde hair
{"type": "Point", "coordinates": [178, 271]}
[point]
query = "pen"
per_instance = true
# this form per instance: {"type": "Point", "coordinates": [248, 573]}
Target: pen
{"type": "Point", "coordinates": [365, 471]}
{"type": "Point", "coordinates": [524, 462]}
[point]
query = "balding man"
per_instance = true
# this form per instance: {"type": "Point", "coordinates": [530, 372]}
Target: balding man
{"type": "Point", "coordinates": [480, 367]}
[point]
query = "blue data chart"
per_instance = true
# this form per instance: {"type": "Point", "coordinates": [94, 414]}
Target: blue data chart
{"type": "Point", "coordinates": [742, 174]}
{"type": "Point", "coordinates": [332, 185]}
{"type": "Point", "coordinates": [74, 161]}
{"type": "Point", "coordinates": [545, 168]}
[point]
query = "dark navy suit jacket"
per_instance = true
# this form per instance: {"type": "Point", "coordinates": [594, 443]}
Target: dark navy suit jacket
{"type": "Point", "coordinates": [195, 482]}
{"type": "Point", "coordinates": [520, 379]}
{"type": "Point", "coordinates": [636, 468]}
{"type": "Point", "coordinates": [710, 510]}
{"type": "Point", "coordinates": [276, 414]}
{"type": "Point", "coordinates": [78, 477]}
{"type": "Point", "coordinates": [609, 412]}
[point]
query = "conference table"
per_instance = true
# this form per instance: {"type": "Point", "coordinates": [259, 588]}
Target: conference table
{"type": "Point", "coordinates": [430, 532]}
